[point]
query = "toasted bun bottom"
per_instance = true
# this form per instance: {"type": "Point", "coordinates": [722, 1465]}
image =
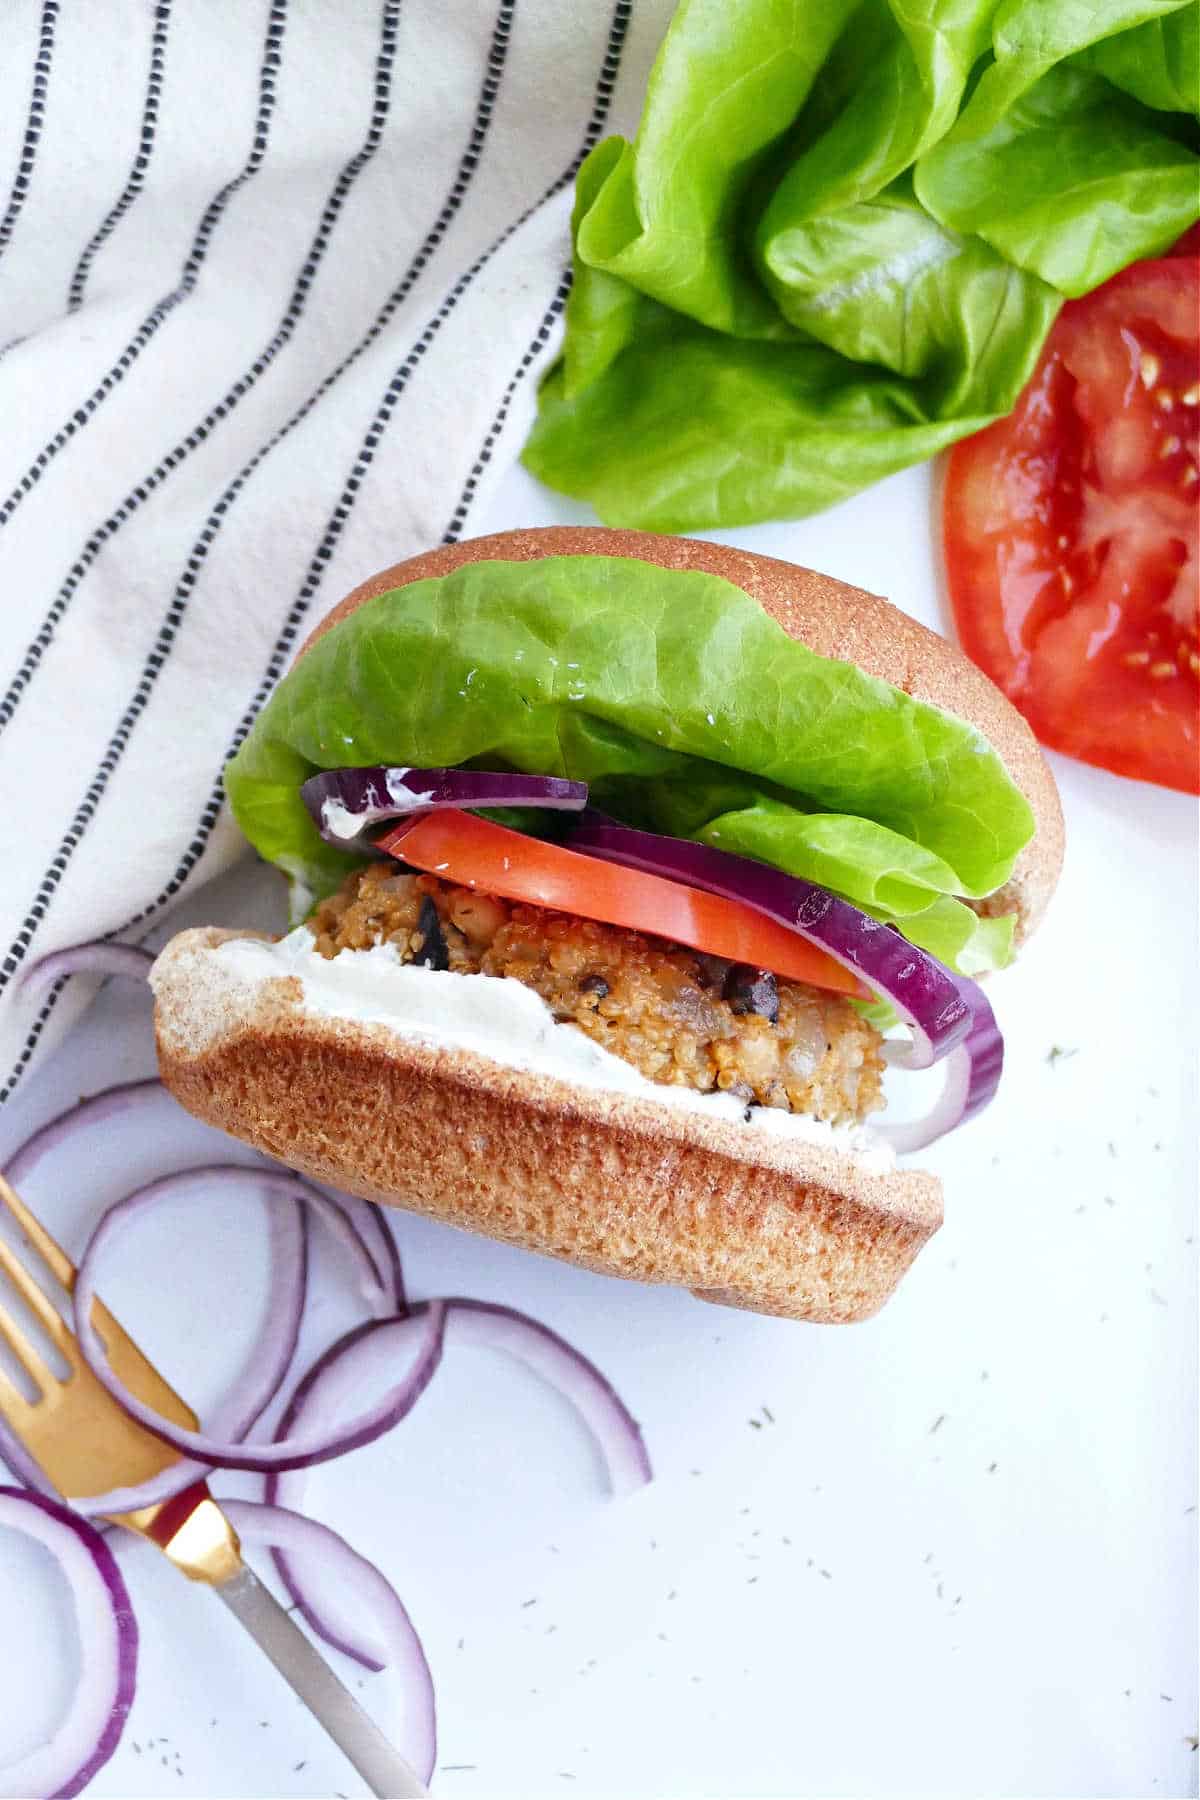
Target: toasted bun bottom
{"type": "Point", "coordinates": [619, 1184]}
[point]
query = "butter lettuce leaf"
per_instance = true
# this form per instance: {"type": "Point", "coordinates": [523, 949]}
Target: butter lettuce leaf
{"type": "Point", "coordinates": [684, 705]}
{"type": "Point", "coordinates": [841, 234]}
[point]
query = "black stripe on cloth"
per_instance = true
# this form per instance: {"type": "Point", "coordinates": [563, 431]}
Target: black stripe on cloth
{"type": "Point", "coordinates": [537, 344]}
{"type": "Point", "coordinates": [141, 162]}
{"type": "Point", "coordinates": [604, 91]}
{"type": "Point", "coordinates": [189, 275]}
{"type": "Point", "coordinates": [606, 81]}
{"type": "Point", "coordinates": [290, 319]}
{"type": "Point", "coordinates": [33, 125]}
{"type": "Point", "coordinates": [44, 897]}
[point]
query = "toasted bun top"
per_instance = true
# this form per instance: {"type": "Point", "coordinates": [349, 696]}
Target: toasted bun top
{"type": "Point", "coordinates": [833, 619]}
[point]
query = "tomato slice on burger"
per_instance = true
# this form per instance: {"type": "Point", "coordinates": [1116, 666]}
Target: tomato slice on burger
{"type": "Point", "coordinates": [1070, 531]}
{"type": "Point", "coordinates": [474, 852]}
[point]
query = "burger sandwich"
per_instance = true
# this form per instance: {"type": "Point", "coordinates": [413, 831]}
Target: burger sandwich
{"type": "Point", "coordinates": [626, 872]}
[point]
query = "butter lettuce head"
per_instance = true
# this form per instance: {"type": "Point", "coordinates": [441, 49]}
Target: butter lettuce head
{"type": "Point", "coordinates": [841, 234]}
{"type": "Point", "coordinates": [685, 707]}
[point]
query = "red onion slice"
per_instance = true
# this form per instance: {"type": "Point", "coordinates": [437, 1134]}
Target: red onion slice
{"type": "Point", "coordinates": [271, 1356]}
{"type": "Point", "coordinates": [322, 1396]}
{"type": "Point", "coordinates": [21, 1465]}
{"type": "Point", "coordinates": [200, 1446]}
{"type": "Point", "coordinates": [972, 1075]}
{"type": "Point", "coordinates": [362, 1589]}
{"type": "Point", "coordinates": [924, 993]}
{"type": "Point", "coordinates": [370, 1222]}
{"type": "Point", "coordinates": [336, 1377]}
{"type": "Point", "coordinates": [332, 1382]}
{"type": "Point", "coordinates": [364, 1219]}
{"type": "Point", "coordinates": [948, 1015]}
{"type": "Point", "coordinates": [267, 1362]}
{"type": "Point", "coordinates": [98, 957]}
{"type": "Point", "coordinates": [108, 1637]}
{"type": "Point", "coordinates": [98, 1109]}
{"type": "Point", "coordinates": [266, 1367]}
{"type": "Point", "coordinates": [483, 1325]}
{"type": "Point", "coordinates": [345, 803]}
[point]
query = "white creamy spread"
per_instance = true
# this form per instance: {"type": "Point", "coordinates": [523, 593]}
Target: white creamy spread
{"type": "Point", "coordinates": [341, 822]}
{"type": "Point", "coordinates": [507, 1022]}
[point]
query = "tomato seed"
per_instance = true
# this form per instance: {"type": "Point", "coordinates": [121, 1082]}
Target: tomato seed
{"type": "Point", "coordinates": [1164, 398]}
{"type": "Point", "coordinates": [1169, 446]}
{"type": "Point", "coordinates": [1191, 396]}
{"type": "Point", "coordinates": [1136, 659]}
{"type": "Point", "coordinates": [1160, 670]}
{"type": "Point", "coordinates": [1149, 369]}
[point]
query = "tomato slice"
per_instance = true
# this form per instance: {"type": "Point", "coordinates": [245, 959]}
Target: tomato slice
{"type": "Point", "coordinates": [1070, 531]}
{"type": "Point", "coordinates": [475, 852]}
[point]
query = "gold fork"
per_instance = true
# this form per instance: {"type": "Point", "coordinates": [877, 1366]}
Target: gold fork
{"type": "Point", "coordinates": [85, 1444]}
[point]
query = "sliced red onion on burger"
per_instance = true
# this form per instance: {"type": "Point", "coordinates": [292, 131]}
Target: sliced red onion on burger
{"type": "Point", "coordinates": [108, 1644]}
{"type": "Point", "coordinates": [948, 1015]}
{"type": "Point", "coordinates": [345, 803]}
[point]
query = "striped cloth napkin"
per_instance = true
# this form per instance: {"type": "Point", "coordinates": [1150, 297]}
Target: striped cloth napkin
{"type": "Point", "coordinates": [277, 280]}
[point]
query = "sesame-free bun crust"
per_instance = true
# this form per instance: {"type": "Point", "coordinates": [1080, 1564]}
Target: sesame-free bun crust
{"type": "Point", "coordinates": [831, 618]}
{"type": "Point", "coordinates": [613, 1182]}
{"type": "Point", "coordinates": [624, 1185]}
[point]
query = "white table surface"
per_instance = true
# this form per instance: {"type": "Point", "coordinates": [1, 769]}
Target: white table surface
{"type": "Point", "coordinates": [959, 1560]}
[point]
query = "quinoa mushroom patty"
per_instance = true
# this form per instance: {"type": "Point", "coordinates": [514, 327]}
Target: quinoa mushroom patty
{"type": "Point", "coordinates": [679, 1016]}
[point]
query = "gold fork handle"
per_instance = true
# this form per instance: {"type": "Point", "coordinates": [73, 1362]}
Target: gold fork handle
{"type": "Point", "coordinates": [359, 1738]}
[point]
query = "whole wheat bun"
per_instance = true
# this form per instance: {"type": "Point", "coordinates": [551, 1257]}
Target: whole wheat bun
{"type": "Point", "coordinates": [833, 619]}
{"type": "Point", "coordinates": [620, 1184]}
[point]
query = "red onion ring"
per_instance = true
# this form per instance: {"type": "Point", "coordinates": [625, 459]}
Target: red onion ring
{"type": "Point", "coordinates": [922, 990]}
{"type": "Point", "coordinates": [335, 1378]}
{"type": "Point", "coordinates": [363, 1588]}
{"type": "Point", "coordinates": [345, 803]}
{"type": "Point", "coordinates": [108, 1635]}
{"type": "Point", "coordinates": [21, 1465]}
{"type": "Point", "coordinates": [364, 1219]}
{"type": "Point", "coordinates": [268, 1362]}
{"type": "Point", "coordinates": [201, 1446]}
{"type": "Point", "coordinates": [972, 1075]}
{"type": "Point", "coordinates": [947, 1014]}
{"type": "Point", "coordinates": [322, 1395]}
{"type": "Point", "coordinates": [371, 1224]}
{"type": "Point", "coordinates": [481, 1324]}
{"type": "Point", "coordinates": [270, 1357]}
{"type": "Point", "coordinates": [97, 957]}
{"type": "Point", "coordinates": [98, 1109]}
